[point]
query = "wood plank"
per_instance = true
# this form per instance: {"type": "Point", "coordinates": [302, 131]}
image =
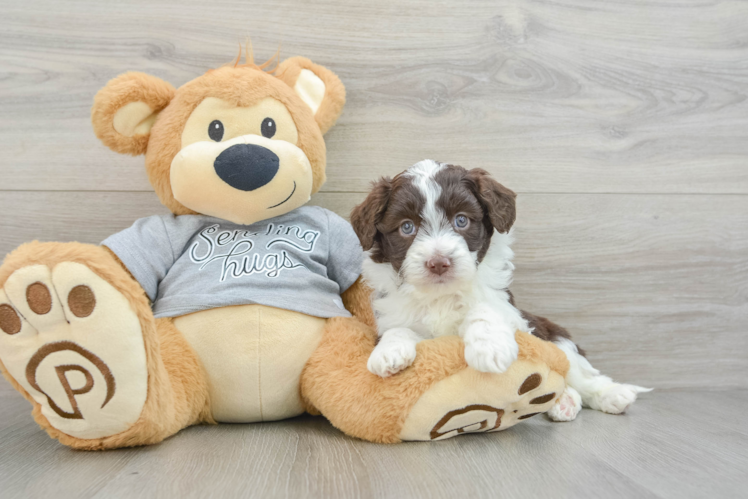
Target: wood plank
{"type": "Point", "coordinates": [564, 96]}
{"type": "Point", "coordinates": [652, 286]}
{"type": "Point", "coordinates": [657, 449]}
{"type": "Point", "coordinates": [666, 442]}
{"type": "Point", "coordinates": [32, 465]}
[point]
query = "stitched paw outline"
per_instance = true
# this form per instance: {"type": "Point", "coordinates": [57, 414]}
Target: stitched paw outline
{"type": "Point", "coordinates": [61, 370]}
{"type": "Point", "coordinates": [486, 418]}
{"type": "Point", "coordinates": [74, 343]}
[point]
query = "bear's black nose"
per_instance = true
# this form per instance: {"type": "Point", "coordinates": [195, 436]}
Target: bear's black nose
{"type": "Point", "coordinates": [246, 166]}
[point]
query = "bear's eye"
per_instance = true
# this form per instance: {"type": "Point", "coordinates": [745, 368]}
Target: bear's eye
{"type": "Point", "coordinates": [215, 130]}
{"type": "Point", "coordinates": [268, 127]}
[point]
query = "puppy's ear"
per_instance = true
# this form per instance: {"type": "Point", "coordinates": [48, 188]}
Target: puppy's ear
{"type": "Point", "coordinates": [368, 214]}
{"type": "Point", "coordinates": [497, 201]}
{"type": "Point", "coordinates": [317, 86]}
{"type": "Point", "coordinates": [125, 109]}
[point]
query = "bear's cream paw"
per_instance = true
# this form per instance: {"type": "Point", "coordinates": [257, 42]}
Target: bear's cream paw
{"type": "Point", "coordinates": [75, 344]}
{"type": "Point", "coordinates": [567, 407]}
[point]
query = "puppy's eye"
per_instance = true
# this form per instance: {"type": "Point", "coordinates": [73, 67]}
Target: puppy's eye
{"type": "Point", "coordinates": [215, 130]}
{"type": "Point", "coordinates": [407, 228]}
{"type": "Point", "coordinates": [268, 127]}
{"type": "Point", "coordinates": [462, 221]}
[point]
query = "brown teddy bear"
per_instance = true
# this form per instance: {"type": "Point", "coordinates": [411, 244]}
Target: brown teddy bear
{"type": "Point", "coordinates": [242, 306]}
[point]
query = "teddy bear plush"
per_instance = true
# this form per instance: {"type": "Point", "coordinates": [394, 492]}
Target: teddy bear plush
{"type": "Point", "coordinates": [244, 304]}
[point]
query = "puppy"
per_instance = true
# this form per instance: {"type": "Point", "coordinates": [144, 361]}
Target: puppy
{"type": "Point", "coordinates": [438, 258]}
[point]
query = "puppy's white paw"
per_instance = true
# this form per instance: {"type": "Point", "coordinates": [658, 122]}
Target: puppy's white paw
{"type": "Point", "coordinates": [491, 353]}
{"type": "Point", "coordinates": [567, 407]}
{"type": "Point", "coordinates": [616, 398]}
{"type": "Point", "coordinates": [389, 358]}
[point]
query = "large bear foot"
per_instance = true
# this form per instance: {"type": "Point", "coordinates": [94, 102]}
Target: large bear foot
{"type": "Point", "coordinates": [469, 401]}
{"type": "Point", "coordinates": [78, 339]}
{"type": "Point", "coordinates": [75, 345]}
{"type": "Point", "coordinates": [437, 397]}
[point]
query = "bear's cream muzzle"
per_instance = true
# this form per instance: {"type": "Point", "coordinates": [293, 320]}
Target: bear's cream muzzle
{"type": "Point", "coordinates": [243, 180]}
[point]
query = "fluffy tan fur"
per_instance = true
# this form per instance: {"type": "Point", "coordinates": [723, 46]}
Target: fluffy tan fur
{"type": "Point", "coordinates": [120, 91]}
{"type": "Point", "coordinates": [357, 300]}
{"type": "Point", "coordinates": [334, 100]}
{"type": "Point", "coordinates": [244, 85]}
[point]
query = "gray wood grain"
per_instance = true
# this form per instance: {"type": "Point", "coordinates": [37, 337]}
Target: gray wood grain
{"type": "Point", "coordinates": [622, 125]}
{"type": "Point", "coordinates": [652, 286]}
{"type": "Point", "coordinates": [555, 96]}
{"type": "Point", "coordinates": [660, 448]}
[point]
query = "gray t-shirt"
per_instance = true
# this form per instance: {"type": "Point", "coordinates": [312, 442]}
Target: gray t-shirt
{"type": "Point", "coordinates": [302, 261]}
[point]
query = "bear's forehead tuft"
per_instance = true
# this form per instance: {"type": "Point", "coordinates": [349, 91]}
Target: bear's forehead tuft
{"type": "Point", "coordinates": [243, 85]}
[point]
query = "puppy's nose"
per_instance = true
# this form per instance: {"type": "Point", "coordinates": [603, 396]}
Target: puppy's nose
{"type": "Point", "coordinates": [438, 265]}
{"type": "Point", "coordinates": [246, 166]}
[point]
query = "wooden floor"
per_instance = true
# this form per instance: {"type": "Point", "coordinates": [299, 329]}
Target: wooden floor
{"type": "Point", "coordinates": [671, 444]}
{"type": "Point", "coordinates": [622, 126]}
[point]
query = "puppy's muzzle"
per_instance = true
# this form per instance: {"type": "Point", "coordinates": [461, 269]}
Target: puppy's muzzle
{"type": "Point", "coordinates": [438, 265]}
{"type": "Point", "coordinates": [246, 166]}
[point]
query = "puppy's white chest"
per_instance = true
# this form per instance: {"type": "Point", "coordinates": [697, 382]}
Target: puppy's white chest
{"type": "Point", "coordinates": [440, 318]}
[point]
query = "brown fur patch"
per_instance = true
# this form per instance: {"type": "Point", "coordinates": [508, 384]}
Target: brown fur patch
{"type": "Point", "coordinates": [377, 220]}
{"type": "Point", "coordinates": [497, 201]}
{"type": "Point", "coordinates": [459, 196]}
{"type": "Point", "coordinates": [366, 215]}
{"type": "Point", "coordinates": [545, 329]}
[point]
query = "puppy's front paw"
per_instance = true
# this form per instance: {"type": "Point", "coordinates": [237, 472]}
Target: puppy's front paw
{"type": "Point", "coordinates": [492, 353]}
{"type": "Point", "coordinates": [389, 358]}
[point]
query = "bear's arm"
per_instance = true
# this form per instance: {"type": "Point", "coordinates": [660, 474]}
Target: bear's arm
{"type": "Point", "coordinates": [357, 299]}
{"type": "Point", "coordinates": [145, 249]}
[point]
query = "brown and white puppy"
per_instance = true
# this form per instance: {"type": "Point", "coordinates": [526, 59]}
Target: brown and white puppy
{"type": "Point", "coordinates": [439, 261]}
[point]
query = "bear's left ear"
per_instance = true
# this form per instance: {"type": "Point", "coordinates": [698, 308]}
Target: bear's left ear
{"type": "Point", "coordinates": [318, 87]}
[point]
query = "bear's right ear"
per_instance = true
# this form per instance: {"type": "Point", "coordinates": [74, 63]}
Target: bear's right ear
{"type": "Point", "coordinates": [125, 109]}
{"type": "Point", "coordinates": [317, 86]}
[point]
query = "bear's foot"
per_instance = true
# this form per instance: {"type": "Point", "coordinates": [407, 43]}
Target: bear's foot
{"type": "Point", "coordinates": [75, 345]}
{"type": "Point", "coordinates": [471, 401]}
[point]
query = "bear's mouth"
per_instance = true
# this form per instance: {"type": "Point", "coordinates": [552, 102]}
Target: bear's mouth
{"type": "Point", "coordinates": [289, 197]}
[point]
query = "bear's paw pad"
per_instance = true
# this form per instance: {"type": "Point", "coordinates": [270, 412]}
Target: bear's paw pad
{"type": "Point", "coordinates": [75, 344]}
